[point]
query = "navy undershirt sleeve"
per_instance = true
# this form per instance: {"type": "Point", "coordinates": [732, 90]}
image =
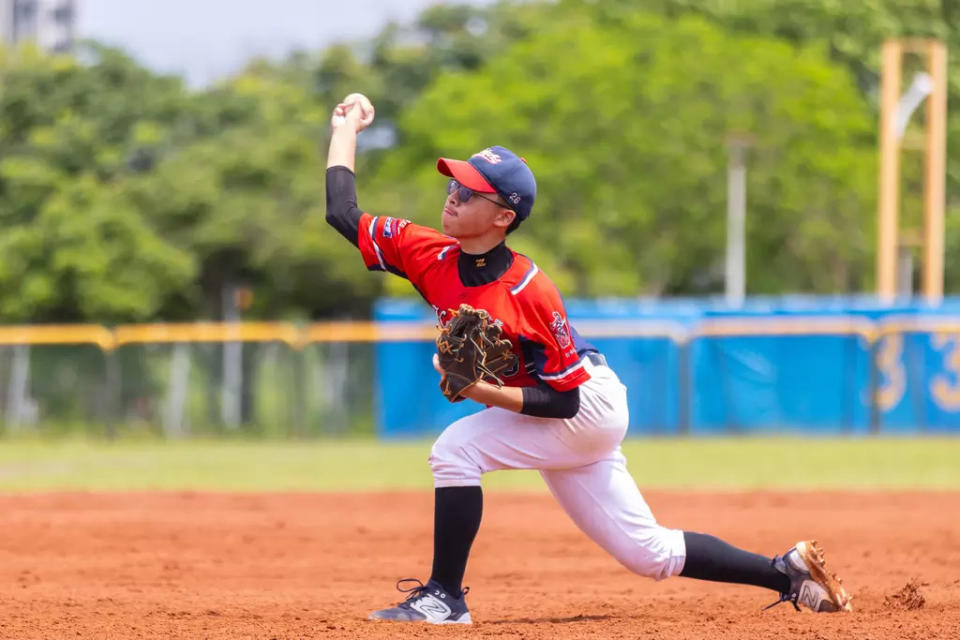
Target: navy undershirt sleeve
{"type": "Point", "coordinates": [343, 214]}
{"type": "Point", "coordinates": [543, 401]}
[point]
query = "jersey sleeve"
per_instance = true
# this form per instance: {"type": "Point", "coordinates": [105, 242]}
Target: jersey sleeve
{"type": "Point", "coordinates": [398, 246]}
{"type": "Point", "coordinates": [552, 347]}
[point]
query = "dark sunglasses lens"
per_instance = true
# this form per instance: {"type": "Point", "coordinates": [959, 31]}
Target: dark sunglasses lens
{"type": "Point", "coordinates": [463, 193]}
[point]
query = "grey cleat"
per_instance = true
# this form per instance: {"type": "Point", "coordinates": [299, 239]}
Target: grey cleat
{"type": "Point", "coordinates": [427, 603]}
{"type": "Point", "coordinates": [811, 585]}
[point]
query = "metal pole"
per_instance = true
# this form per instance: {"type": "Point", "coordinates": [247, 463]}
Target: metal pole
{"type": "Point", "coordinates": [175, 406]}
{"type": "Point", "coordinates": [736, 279]}
{"type": "Point", "coordinates": [18, 386]}
{"type": "Point", "coordinates": [230, 396]}
{"type": "Point", "coordinates": [934, 173]}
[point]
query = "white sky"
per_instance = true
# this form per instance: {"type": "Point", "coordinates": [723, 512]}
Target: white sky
{"type": "Point", "coordinates": [206, 39]}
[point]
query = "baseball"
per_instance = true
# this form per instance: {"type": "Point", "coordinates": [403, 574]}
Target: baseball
{"type": "Point", "coordinates": [365, 106]}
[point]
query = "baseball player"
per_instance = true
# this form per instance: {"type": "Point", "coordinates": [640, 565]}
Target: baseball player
{"type": "Point", "coordinates": [561, 411]}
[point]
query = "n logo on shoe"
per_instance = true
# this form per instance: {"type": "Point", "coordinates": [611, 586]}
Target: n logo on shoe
{"type": "Point", "coordinates": [433, 608]}
{"type": "Point", "coordinates": [810, 596]}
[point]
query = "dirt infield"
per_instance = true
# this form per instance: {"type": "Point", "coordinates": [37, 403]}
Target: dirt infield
{"type": "Point", "coordinates": [192, 565]}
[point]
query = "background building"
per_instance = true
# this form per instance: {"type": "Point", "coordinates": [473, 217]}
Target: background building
{"type": "Point", "coordinates": [49, 23]}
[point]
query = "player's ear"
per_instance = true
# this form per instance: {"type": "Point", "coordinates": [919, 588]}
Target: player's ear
{"type": "Point", "coordinates": [505, 217]}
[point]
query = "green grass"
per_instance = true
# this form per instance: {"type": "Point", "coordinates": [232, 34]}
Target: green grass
{"type": "Point", "coordinates": [365, 465]}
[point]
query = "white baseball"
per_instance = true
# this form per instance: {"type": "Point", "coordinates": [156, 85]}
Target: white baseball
{"type": "Point", "coordinates": [366, 107]}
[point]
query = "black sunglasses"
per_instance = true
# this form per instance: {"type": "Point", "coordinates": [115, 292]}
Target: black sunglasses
{"type": "Point", "coordinates": [465, 193]}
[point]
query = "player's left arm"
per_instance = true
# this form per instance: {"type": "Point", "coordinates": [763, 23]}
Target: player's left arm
{"type": "Point", "coordinates": [554, 356]}
{"type": "Point", "coordinates": [509, 398]}
{"type": "Point", "coordinates": [542, 401]}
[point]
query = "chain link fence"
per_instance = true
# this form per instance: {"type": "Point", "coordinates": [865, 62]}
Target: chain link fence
{"type": "Point", "coordinates": [181, 389]}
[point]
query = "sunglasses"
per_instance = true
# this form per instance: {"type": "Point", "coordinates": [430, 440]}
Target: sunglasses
{"type": "Point", "coordinates": [465, 193]}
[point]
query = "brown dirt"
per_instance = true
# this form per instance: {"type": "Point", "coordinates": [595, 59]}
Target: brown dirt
{"type": "Point", "coordinates": [909, 598]}
{"type": "Point", "coordinates": [192, 565]}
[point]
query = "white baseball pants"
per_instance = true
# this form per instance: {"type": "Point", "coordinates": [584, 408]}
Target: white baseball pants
{"type": "Point", "coordinates": [581, 461]}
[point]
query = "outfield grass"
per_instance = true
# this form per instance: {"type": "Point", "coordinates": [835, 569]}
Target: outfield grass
{"type": "Point", "coordinates": [730, 463]}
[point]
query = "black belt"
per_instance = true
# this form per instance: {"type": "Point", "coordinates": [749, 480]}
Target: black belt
{"type": "Point", "coordinates": [596, 359]}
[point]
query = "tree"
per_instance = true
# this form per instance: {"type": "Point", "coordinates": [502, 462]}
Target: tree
{"type": "Point", "coordinates": [625, 124]}
{"type": "Point", "coordinates": [72, 248]}
{"type": "Point", "coordinates": [853, 33]}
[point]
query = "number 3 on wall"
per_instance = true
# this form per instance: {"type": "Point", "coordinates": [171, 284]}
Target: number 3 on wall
{"type": "Point", "coordinates": [893, 376]}
{"type": "Point", "coordinates": [945, 387]}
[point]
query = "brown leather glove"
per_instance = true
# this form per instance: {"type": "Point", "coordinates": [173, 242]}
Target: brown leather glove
{"type": "Point", "coordinates": [470, 348]}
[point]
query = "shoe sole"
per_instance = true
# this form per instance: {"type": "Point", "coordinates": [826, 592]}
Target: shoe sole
{"type": "Point", "coordinates": [465, 619]}
{"type": "Point", "coordinates": [812, 554]}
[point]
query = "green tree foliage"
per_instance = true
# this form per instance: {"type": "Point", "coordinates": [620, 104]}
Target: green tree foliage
{"type": "Point", "coordinates": [625, 124]}
{"type": "Point", "coordinates": [123, 196]}
{"type": "Point", "coordinates": [249, 205]}
{"type": "Point", "coordinates": [853, 33]}
{"type": "Point", "coordinates": [71, 247]}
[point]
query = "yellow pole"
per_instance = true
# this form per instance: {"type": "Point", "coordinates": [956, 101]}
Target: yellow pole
{"type": "Point", "coordinates": [889, 172]}
{"type": "Point", "coordinates": [934, 173]}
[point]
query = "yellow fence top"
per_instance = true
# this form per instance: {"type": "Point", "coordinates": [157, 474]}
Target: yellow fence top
{"type": "Point", "coordinates": [57, 334]}
{"type": "Point", "coordinates": [358, 331]}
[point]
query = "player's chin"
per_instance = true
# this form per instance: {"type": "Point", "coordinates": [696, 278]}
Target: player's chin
{"type": "Point", "coordinates": [448, 225]}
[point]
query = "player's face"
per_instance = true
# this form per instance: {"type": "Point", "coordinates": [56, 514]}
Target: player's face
{"type": "Point", "coordinates": [467, 214]}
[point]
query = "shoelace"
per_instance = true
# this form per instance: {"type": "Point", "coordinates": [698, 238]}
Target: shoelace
{"type": "Point", "coordinates": [419, 590]}
{"type": "Point", "coordinates": [785, 597]}
{"type": "Point", "coordinates": [415, 592]}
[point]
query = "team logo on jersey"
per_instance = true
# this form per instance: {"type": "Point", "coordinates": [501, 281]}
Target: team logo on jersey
{"type": "Point", "coordinates": [488, 155]}
{"type": "Point", "coordinates": [560, 330]}
{"type": "Point", "coordinates": [443, 315]}
{"type": "Point", "coordinates": [393, 226]}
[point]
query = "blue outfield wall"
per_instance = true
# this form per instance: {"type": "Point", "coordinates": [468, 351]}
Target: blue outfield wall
{"type": "Point", "coordinates": [816, 365]}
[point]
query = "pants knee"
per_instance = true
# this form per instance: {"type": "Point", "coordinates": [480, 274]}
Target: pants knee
{"type": "Point", "coordinates": [451, 462]}
{"type": "Point", "coordinates": [658, 555]}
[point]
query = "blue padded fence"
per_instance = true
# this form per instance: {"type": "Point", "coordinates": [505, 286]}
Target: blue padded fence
{"type": "Point", "coordinates": [815, 365]}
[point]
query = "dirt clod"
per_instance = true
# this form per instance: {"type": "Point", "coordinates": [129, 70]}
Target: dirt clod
{"type": "Point", "coordinates": [909, 597]}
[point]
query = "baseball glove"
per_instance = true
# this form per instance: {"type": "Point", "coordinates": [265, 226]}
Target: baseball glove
{"type": "Point", "coordinates": [470, 348]}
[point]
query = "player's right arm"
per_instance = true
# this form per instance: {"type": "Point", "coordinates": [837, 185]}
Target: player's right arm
{"type": "Point", "coordinates": [349, 118]}
{"type": "Point", "coordinates": [385, 243]}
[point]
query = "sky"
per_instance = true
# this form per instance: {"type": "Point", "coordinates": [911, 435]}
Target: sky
{"type": "Point", "coordinates": [207, 39]}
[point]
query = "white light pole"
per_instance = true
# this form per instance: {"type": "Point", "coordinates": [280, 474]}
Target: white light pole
{"type": "Point", "coordinates": [736, 263]}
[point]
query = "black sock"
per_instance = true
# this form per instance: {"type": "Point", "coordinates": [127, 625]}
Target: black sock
{"type": "Point", "coordinates": [456, 520]}
{"type": "Point", "coordinates": [710, 558]}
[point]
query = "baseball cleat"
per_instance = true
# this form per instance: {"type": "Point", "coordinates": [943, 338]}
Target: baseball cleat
{"type": "Point", "coordinates": [811, 585]}
{"type": "Point", "coordinates": [427, 603]}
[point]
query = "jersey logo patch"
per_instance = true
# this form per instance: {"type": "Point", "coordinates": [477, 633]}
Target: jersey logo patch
{"type": "Point", "coordinates": [393, 226]}
{"type": "Point", "coordinates": [560, 330]}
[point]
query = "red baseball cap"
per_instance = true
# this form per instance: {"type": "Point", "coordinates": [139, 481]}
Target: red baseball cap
{"type": "Point", "coordinates": [464, 173]}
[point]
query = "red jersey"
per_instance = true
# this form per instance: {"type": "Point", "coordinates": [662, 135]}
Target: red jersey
{"type": "Point", "coordinates": [523, 299]}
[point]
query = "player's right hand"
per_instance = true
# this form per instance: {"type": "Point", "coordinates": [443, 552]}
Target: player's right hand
{"type": "Point", "coordinates": [356, 112]}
